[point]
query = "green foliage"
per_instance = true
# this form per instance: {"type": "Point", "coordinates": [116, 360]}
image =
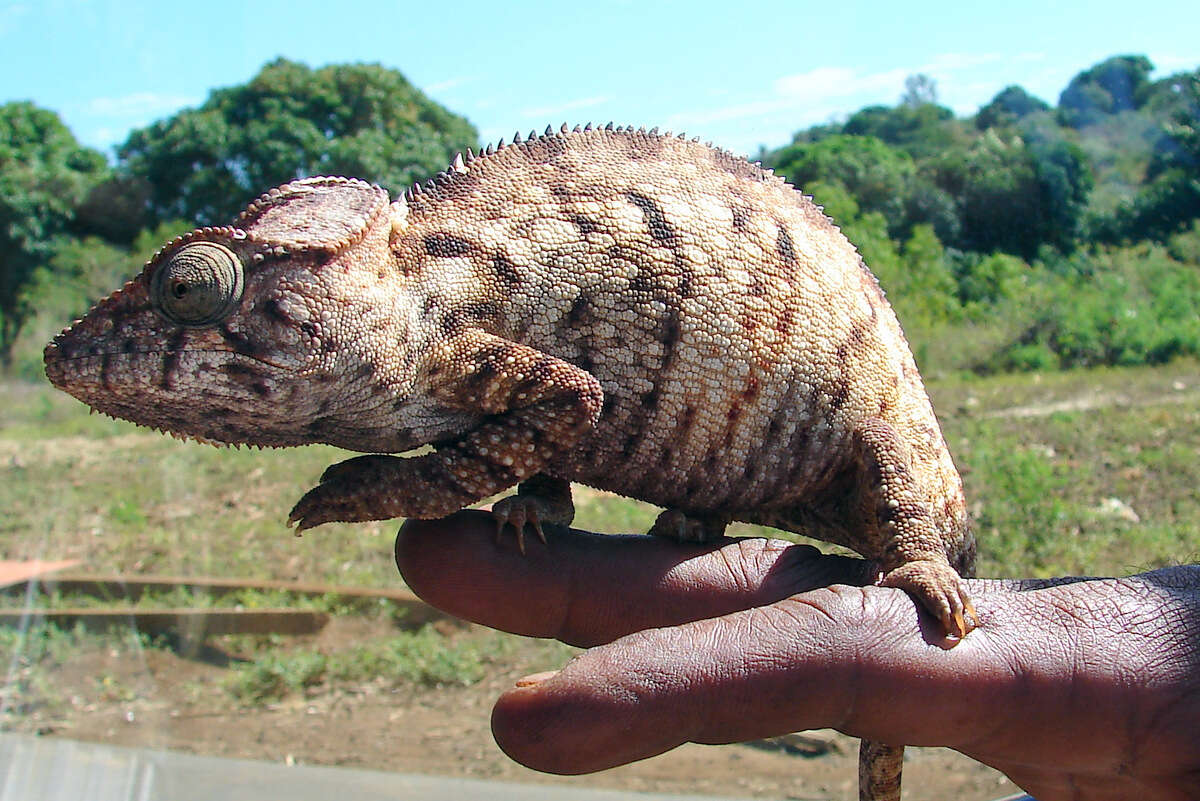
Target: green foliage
{"type": "Point", "coordinates": [290, 121]}
{"type": "Point", "coordinates": [75, 272]}
{"type": "Point", "coordinates": [1170, 199]}
{"type": "Point", "coordinates": [878, 176]}
{"type": "Point", "coordinates": [44, 173]}
{"type": "Point", "coordinates": [1027, 520]}
{"type": "Point", "coordinates": [922, 130]}
{"type": "Point", "coordinates": [1009, 106]}
{"type": "Point", "coordinates": [1112, 86]}
{"type": "Point", "coordinates": [983, 231]}
{"type": "Point", "coordinates": [1013, 196]}
{"type": "Point", "coordinates": [1185, 246]}
{"type": "Point", "coordinates": [423, 658]}
{"type": "Point", "coordinates": [1131, 306]}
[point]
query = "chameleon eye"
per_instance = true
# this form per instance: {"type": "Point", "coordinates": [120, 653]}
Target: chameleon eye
{"type": "Point", "coordinates": [198, 285]}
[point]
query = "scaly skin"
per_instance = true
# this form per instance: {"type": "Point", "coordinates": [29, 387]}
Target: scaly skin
{"type": "Point", "coordinates": [636, 312]}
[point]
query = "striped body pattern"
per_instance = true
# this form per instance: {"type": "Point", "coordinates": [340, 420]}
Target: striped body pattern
{"type": "Point", "coordinates": [632, 311]}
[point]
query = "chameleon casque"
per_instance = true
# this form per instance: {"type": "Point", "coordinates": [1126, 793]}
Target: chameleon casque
{"type": "Point", "coordinates": [637, 312]}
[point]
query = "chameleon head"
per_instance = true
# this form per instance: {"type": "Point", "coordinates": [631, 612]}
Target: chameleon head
{"type": "Point", "coordinates": [234, 334]}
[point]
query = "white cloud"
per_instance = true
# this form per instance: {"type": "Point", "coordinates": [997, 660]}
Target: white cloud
{"type": "Point", "coordinates": [139, 104]}
{"type": "Point", "coordinates": [965, 81]}
{"type": "Point", "coordinates": [442, 86]}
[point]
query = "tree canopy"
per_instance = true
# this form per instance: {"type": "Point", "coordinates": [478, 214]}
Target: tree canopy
{"type": "Point", "coordinates": [44, 174]}
{"type": "Point", "coordinates": [1023, 237]}
{"type": "Point", "coordinates": [1112, 86]}
{"type": "Point", "coordinates": [1010, 105]}
{"type": "Point", "coordinates": [290, 121]}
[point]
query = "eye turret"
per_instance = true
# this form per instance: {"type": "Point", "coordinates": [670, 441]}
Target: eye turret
{"type": "Point", "coordinates": [199, 285]}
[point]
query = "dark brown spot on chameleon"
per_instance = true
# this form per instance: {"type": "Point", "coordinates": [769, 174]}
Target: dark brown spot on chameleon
{"type": "Point", "coordinates": [784, 244]}
{"type": "Point", "coordinates": [105, 367]}
{"type": "Point", "coordinates": [544, 149]}
{"type": "Point", "coordinates": [319, 424]}
{"type": "Point", "coordinates": [171, 358]}
{"type": "Point", "coordinates": [841, 393]}
{"type": "Point", "coordinates": [240, 372]}
{"type": "Point", "coordinates": [272, 309]}
{"type": "Point", "coordinates": [507, 271]}
{"type": "Point", "coordinates": [630, 445]}
{"type": "Point", "coordinates": [858, 333]}
{"type": "Point", "coordinates": [238, 342]}
{"type": "Point", "coordinates": [670, 331]}
{"type": "Point", "coordinates": [585, 225]}
{"type": "Point", "coordinates": [741, 219]}
{"type": "Point", "coordinates": [446, 245]}
{"type": "Point", "coordinates": [655, 219]}
{"type": "Point", "coordinates": [467, 315]}
{"type": "Point", "coordinates": [783, 323]}
{"type": "Point", "coordinates": [578, 311]}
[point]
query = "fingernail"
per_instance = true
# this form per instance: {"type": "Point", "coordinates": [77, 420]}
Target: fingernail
{"type": "Point", "coordinates": [533, 679]}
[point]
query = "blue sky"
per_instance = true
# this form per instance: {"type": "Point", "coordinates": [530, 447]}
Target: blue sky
{"type": "Point", "coordinates": [740, 73]}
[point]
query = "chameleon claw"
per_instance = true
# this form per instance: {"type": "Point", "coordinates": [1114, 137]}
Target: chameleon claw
{"type": "Point", "coordinates": [517, 512]}
{"type": "Point", "coordinates": [536, 522]}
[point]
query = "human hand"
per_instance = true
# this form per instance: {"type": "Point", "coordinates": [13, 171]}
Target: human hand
{"type": "Point", "coordinates": [1074, 688]}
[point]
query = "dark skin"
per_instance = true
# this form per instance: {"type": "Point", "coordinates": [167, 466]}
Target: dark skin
{"type": "Point", "coordinates": [1074, 688]}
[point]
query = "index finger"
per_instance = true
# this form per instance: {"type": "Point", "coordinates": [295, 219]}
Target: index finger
{"type": "Point", "coordinates": [587, 589]}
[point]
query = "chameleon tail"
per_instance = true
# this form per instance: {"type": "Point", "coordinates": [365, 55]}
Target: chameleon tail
{"type": "Point", "coordinates": [879, 769]}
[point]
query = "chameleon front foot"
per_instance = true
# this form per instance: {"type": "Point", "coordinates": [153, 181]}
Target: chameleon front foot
{"type": "Point", "coordinates": [347, 493]}
{"type": "Point", "coordinates": [940, 590]}
{"type": "Point", "coordinates": [380, 487]}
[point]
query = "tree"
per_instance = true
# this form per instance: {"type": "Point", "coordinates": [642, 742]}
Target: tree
{"type": "Point", "coordinates": [923, 131]}
{"type": "Point", "coordinates": [1011, 104]}
{"type": "Point", "coordinates": [1170, 199]}
{"type": "Point", "coordinates": [1013, 196]}
{"type": "Point", "coordinates": [919, 90]}
{"type": "Point", "coordinates": [44, 174]}
{"type": "Point", "coordinates": [1112, 86]}
{"type": "Point", "coordinates": [290, 121]}
{"type": "Point", "coordinates": [876, 175]}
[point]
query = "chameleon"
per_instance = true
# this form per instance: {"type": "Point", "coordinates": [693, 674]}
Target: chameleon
{"type": "Point", "coordinates": [638, 312]}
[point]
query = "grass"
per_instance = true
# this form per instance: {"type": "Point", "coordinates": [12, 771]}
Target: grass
{"type": "Point", "coordinates": [424, 658]}
{"type": "Point", "coordinates": [1080, 472]}
{"type": "Point", "coordinates": [1054, 466]}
